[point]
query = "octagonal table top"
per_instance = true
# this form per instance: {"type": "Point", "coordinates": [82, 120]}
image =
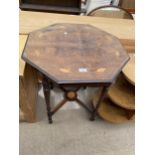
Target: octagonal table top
{"type": "Point", "coordinates": [75, 53]}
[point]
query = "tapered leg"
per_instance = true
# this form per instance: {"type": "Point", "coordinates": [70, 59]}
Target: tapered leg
{"type": "Point", "coordinates": [46, 89]}
{"type": "Point", "coordinates": [101, 98]}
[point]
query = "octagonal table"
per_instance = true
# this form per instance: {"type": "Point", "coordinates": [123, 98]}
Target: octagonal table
{"type": "Point", "coordinates": [72, 56]}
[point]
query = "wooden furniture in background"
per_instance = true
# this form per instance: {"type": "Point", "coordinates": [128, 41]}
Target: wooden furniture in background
{"type": "Point", "coordinates": [120, 104]}
{"type": "Point", "coordinates": [128, 5]}
{"type": "Point", "coordinates": [66, 55]}
{"type": "Point", "coordinates": [28, 86]}
{"type": "Point", "coordinates": [31, 21]}
{"type": "Point", "coordinates": [59, 6]}
{"type": "Point", "coordinates": [121, 28]}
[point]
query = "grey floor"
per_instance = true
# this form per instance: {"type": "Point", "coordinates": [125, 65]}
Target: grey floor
{"type": "Point", "coordinates": [73, 134]}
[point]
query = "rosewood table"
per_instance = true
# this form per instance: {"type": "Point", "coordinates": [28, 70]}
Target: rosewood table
{"type": "Point", "coordinates": [72, 56]}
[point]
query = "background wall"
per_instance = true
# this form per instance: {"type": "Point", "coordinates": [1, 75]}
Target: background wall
{"type": "Point", "coordinates": [91, 4]}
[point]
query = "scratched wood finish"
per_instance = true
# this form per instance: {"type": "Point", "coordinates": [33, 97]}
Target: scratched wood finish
{"type": "Point", "coordinates": [75, 53]}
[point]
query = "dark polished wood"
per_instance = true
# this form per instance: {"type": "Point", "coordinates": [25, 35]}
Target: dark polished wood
{"type": "Point", "coordinates": [70, 94]}
{"type": "Point", "coordinates": [72, 56]}
{"type": "Point", "coordinates": [59, 6]}
{"type": "Point", "coordinates": [46, 89]}
{"type": "Point", "coordinates": [54, 9]}
{"type": "Point", "coordinates": [67, 3]}
{"type": "Point", "coordinates": [79, 54]}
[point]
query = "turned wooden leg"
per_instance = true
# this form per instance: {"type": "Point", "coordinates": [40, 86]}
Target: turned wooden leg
{"type": "Point", "coordinates": [28, 92]}
{"type": "Point", "coordinates": [46, 89]}
{"type": "Point", "coordinates": [101, 98]}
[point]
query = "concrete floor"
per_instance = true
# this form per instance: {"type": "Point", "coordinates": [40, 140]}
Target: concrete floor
{"type": "Point", "coordinates": [73, 134]}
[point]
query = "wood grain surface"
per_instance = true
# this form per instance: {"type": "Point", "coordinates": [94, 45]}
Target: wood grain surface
{"type": "Point", "coordinates": [129, 69]}
{"type": "Point", "coordinates": [22, 41]}
{"type": "Point", "coordinates": [30, 21]}
{"type": "Point", "coordinates": [121, 28]}
{"type": "Point", "coordinates": [67, 53]}
{"type": "Point", "coordinates": [110, 112]}
{"type": "Point", "coordinates": [122, 93]}
{"type": "Point", "coordinates": [28, 91]}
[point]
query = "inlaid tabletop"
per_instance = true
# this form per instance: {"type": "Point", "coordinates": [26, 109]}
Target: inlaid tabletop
{"type": "Point", "coordinates": [75, 53]}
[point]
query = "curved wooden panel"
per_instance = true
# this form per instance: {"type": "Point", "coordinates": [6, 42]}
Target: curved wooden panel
{"type": "Point", "coordinates": [112, 113]}
{"type": "Point", "coordinates": [122, 93]}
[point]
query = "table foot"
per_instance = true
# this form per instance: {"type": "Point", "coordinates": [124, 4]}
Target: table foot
{"type": "Point", "coordinates": [50, 119]}
{"type": "Point", "coordinates": [92, 119]}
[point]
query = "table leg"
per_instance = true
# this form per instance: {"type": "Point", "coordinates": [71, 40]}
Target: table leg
{"type": "Point", "coordinates": [46, 89]}
{"type": "Point", "coordinates": [69, 95]}
{"type": "Point", "coordinates": [101, 98]}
